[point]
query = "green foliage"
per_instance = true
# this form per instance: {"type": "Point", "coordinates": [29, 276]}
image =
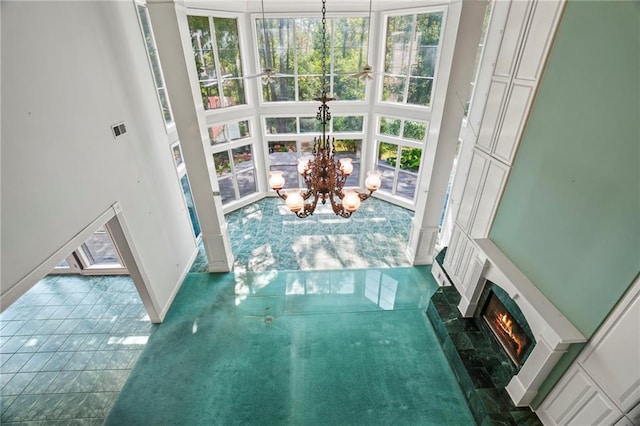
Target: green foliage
{"type": "Point", "coordinates": [409, 159]}
{"type": "Point", "coordinates": [347, 54]}
{"type": "Point", "coordinates": [390, 126]}
{"type": "Point", "coordinates": [414, 130]}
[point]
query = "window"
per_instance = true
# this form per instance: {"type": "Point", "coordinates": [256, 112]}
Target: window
{"type": "Point", "coordinates": [186, 187]}
{"type": "Point", "coordinates": [291, 47]}
{"type": "Point", "coordinates": [400, 147]}
{"type": "Point", "coordinates": [235, 169]}
{"type": "Point", "coordinates": [216, 51]}
{"type": "Point", "coordinates": [290, 138]}
{"type": "Point", "coordinates": [152, 53]}
{"type": "Point", "coordinates": [411, 53]}
{"type": "Point", "coordinates": [229, 132]}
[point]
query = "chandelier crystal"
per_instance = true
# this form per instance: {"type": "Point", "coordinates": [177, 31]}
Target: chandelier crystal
{"type": "Point", "coordinates": [324, 176]}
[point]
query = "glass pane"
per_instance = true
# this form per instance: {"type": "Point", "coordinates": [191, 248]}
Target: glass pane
{"type": "Point", "coordinates": [164, 104]}
{"type": "Point", "coordinates": [308, 44]}
{"type": "Point", "coordinates": [246, 182]}
{"type": "Point", "coordinates": [277, 52]}
{"type": "Point", "coordinates": [227, 192]}
{"type": "Point", "coordinates": [177, 155]}
{"type": "Point", "coordinates": [387, 156]}
{"type": "Point", "coordinates": [310, 125]}
{"type": "Point", "coordinates": [290, 174]}
{"type": "Point", "coordinates": [424, 63]}
{"type": "Point", "coordinates": [281, 89]}
{"type": "Point", "coordinates": [242, 158]}
{"type": "Point", "coordinates": [228, 47]}
{"type": "Point", "coordinates": [428, 28]}
{"type": "Point", "coordinates": [283, 157]}
{"type": "Point", "coordinates": [393, 88]}
{"type": "Point", "coordinates": [186, 190]}
{"type": "Point", "coordinates": [397, 51]}
{"type": "Point", "coordinates": [350, 43]}
{"type": "Point", "coordinates": [353, 123]}
{"type": "Point", "coordinates": [99, 249]}
{"type": "Point", "coordinates": [200, 32]}
{"type": "Point", "coordinates": [238, 130]}
{"type": "Point", "coordinates": [217, 134]}
{"type": "Point", "coordinates": [349, 148]}
{"type": "Point", "coordinates": [233, 92]}
{"type": "Point", "coordinates": [390, 126]}
{"type": "Point", "coordinates": [222, 164]}
{"type": "Point", "coordinates": [309, 88]}
{"type": "Point", "coordinates": [408, 174]}
{"type": "Point", "coordinates": [348, 88]}
{"type": "Point", "coordinates": [306, 146]}
{"type": "Point", "coordinates": [415, 130]}
{"type": "Point", "coordinates": [420, 91]}
{"type": "Point", "coordinates": [210, 95]}
{"type": "Point", "coordinates": [280, 125]}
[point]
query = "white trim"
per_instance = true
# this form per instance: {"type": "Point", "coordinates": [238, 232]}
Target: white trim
{"type": "Point", "coordinates": [28, 281]}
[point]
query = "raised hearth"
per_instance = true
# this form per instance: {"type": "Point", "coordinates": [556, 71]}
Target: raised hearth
{"type": "Point", "coordinates": [481, 367]}
{"type": "Point", "coordinates": [552, 331]}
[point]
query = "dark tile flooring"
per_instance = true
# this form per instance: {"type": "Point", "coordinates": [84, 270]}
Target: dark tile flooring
{"type": "Point", "coordinates": [481, 368]}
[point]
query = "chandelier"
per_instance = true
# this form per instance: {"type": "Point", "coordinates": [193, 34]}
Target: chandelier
{"type": "Point", "coordinates": [323, 175]}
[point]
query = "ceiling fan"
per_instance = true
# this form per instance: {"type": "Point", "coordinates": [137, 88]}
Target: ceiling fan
{"type": "Point", "coordinates": [268, 75]}
{"type": "Point", "coordinates": [366, 73]}
{"type": "Point", "coordinates": [213, 81]}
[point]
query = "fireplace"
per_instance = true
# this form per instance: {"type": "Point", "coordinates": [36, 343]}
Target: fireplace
{"type": "Point", "coordinates": [549, 332]}
{"type": "Point", "coordinates": [506, 329]}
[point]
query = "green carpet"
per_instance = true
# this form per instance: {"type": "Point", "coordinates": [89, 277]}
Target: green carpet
{"type": "Point", "coordinates": [295, 348]}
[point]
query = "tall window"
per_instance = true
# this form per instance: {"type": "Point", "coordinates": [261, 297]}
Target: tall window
{"type": "Point", "coordinates": [216, 51]}
{"type": "Point", "coordinates": [152, 52]}
{"type": "Point", "coordinates": [400, 147]}
{"type": "Point", "coordinates": [411, 53]}
{"type": "Point", "coordinates": [233, 159]}
{"type": "Point", "coordinates": [292, 47]}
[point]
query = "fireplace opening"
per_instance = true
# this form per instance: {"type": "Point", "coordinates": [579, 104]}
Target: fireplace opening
{"type": "Point", "coordinates": [509, 334]}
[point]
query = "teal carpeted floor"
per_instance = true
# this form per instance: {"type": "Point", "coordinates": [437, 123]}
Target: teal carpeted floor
{"type": "Point", "coordinates": [295, 348]}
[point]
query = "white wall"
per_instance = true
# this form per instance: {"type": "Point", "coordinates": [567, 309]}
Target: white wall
{"type": "Point", "coordinates": [69, 71]}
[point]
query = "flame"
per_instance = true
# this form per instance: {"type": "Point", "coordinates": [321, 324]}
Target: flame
{"type": "Point", "coordinates": [506, 325]}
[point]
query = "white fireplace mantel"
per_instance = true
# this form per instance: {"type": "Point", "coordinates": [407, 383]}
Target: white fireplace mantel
{"type": "Point", "coordinates": [552, 331]}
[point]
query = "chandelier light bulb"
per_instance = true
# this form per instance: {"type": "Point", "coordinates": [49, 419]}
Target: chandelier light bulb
{"type": "Point", "coordinates": [373, 181]}
{"type": "Point", "coordinates": [276, 181]}
{"type": "Point", "coordinates": [294, 201]}
{"type": "Point", "coordinates": [303, 165]}
{"type": "Point", "coordinates": [346, 166]}
{"type": "Point", "coordinates": [351, 201]}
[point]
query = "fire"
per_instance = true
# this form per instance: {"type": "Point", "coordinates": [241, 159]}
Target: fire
{"type": "Point", "coordinates": [506, 325]}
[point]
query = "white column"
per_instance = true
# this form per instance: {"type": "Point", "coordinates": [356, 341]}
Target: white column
{"type": "Point", "coordinates": [445, 124]}
{"type": "Point", "coordinates": [171, 31]}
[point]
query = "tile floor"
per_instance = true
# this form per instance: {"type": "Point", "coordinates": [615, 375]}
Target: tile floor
{"type": "Point", "coordinates": [68, 345]}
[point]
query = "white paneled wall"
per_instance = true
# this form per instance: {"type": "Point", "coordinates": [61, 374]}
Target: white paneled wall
{"type": "Point", "coordinates": [602, 387]}
{"type": "Point", "coordinates": [499, 112]}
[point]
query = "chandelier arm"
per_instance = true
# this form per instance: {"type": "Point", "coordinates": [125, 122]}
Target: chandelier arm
{"type": "Point", "coordinates": [338, 208]}
{"type": "Point", "coordinates": [364, 196]}
{"type": "Point", "coordinates": [308, 208]}
{"type": "Point", "coordinates": [281, 195]}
